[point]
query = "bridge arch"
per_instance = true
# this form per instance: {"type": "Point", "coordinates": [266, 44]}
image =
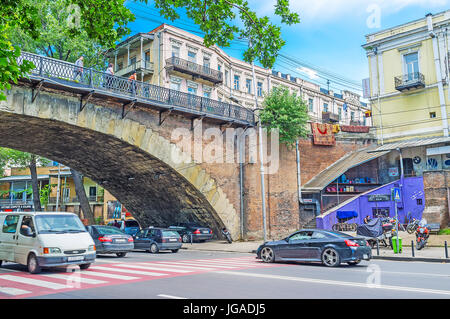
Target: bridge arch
{"type": "Point", "coordinates": [131, 160]}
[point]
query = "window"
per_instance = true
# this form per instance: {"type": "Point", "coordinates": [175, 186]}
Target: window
{"type": "Point", "coordinates": [206, 62]}
{"type": "Point", "coordinates": [340, 113]}
{"type": "Point", "coordinates": [27, 223]}
{"type": "Point", "coordinates": [432, 115]}
{"type": "Point", "coordinates": [319, 235]}
{"type": "Point", "coordinates": [352, 116]}
{"type": "Point", "coordinates": [248, 85]}
{"type": "Point", "coordinates": [10, 224]}
{"type": "Point", "coordinates": [311, 105]}
{"type": "Point", "coordinates": [226, 78]}
{"type": "Point", "coordinates": [259, 88]}
{"type": "Point", "coordinates": [92, 191]}
{"type": "Point", "coordinates": [192, 90]}
{"type": "Point", "coordinates": [325, 107]}
{"type": "Point", "coordinates": [192, 56]}
{"type": "Point", "coordinates": [175, 86]}
{"type": "Point", "coordinates": [236, 82]}
{"type": "Point", "coordinates": [219, 67]}
{"type": "Point", "coordinates": [419, 201]}
{"type": "Point", "coordinates": [132, 60]}
{"type": "Point", "coordinates": [304, 235]}
{"type": "Point", "coordinates": [411, 65]}
{"type": "Point", "coordinates": [175, 51]}
{"type": "Point", "coordinates": [66, 194]}
{"type": "Point", "coordinates": [207, 94]}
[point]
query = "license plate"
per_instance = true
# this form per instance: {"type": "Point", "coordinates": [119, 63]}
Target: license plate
{"type": "Point", "coordinates": [205, 232]}
{"type": "Point", "coordinates": [172, 239]}
{"type": "Point", "coordinates": [120, 240]}
{"type": "Point", "coordinates": [365, 256]}
{"type": "Point", "coordinates": [75, 258]}
{"type": "Point", "coordinates": [388, 235]}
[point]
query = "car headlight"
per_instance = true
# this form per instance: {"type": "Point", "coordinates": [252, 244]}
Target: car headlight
{"type": "Point", "coordinates": [52, 250]}
{"type": "Point", "coordinates": [91, 248]}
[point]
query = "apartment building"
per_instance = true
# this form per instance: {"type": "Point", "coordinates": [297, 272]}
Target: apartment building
{"type": "Point", "coordinates": [174, 58]}
{"type": "Point", "coordinates": [409, 77]}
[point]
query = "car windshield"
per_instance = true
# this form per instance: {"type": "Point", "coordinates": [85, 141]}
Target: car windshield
{"type": "Point", "coordinates": [131, 223]}
{"type": "Point", "coordinates": [169, 233]}
{"type": "Point", "coordinates": [59, 224]}
{"type": "Point", "coordinates": [109, 230]}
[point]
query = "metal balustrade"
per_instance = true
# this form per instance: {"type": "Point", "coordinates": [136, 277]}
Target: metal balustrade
{"type": "Point", "coordinates": [195, 69]}
{"type": "Point", "coordinates": [89, 78]}
{"type": "Point", "coordinates": [409, 81]}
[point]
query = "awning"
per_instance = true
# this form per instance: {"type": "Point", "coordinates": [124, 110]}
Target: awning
{"type": "Point", "coordinates": [410, 143]}
{"type": "Point", "coordinates": [328, 175]}
{"type": "Point", "coordinates": [16, 178]}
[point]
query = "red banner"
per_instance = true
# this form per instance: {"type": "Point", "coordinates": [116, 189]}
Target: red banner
{"type": "Point", "coordinates": [354, 128]}
{"type": "Point", "coordinates": [323, 134]}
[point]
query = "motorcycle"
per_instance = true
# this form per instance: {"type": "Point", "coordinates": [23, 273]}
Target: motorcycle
{"type": "Point", "coordinates": [412, 226]}
{"type": "Point", "coordinates": [227, 235]}
{"type": "Point", "coordinates": [389, 231]}
{"type": "Point", "coordinates": [422, 234]}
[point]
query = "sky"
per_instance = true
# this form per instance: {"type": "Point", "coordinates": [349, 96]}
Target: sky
{"type": "Point", "coordinates": [327, 39]}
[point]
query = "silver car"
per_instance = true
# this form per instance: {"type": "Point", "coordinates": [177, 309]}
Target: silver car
{"type": "Point", "coordinates": [111, 240]}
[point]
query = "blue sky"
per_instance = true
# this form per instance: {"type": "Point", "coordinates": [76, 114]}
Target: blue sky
{"type": "Point", "coordinates": [328, 37]}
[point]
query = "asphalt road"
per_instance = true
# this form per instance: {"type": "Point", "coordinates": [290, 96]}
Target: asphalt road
{"type": "Point", "coordinates": [217, 275]}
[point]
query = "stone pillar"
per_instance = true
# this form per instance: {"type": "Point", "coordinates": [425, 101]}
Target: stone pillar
{"type": "Point", "coordinates": [436, 189]}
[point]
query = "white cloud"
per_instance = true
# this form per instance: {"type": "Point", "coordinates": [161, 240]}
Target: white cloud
{"type": "Point", "coordinates": [309, 73]}
{"type": "Point", "coordinates": [317, 11]}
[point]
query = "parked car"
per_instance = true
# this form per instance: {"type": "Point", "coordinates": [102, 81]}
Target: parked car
{"type": "Point", "coordinates": [44, 239]}
{"type": "Point", "coordinates": [192, 231]}
{"type": "Point", "coordinates": [154, 239]}
{"type": "Point", "coordinates": [331, 248]}
{"type": "Point", "coordinates": [131, 226]}
{"type": "Point", "coordinates": [111, 240]}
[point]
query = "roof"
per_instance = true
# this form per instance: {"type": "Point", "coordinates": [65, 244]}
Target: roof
{"type": "Point", "coordinates": [410, 143]}
{"type": "Point", "coordinates": [17, 178]}
{"type": "Point", "coordinates": [328, 175]}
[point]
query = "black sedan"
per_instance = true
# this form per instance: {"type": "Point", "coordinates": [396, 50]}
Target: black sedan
{"type": "Point", "coordinates": [331, 248]}
{"type": "Point", "coordinates": [192, 232]}
{"type": "Point", "coordinates": [110, 240]}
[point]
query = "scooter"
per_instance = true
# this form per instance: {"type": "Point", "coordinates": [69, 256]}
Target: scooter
{"type": "Point", "coordinates": [227, 235]}
{"type": "Point", "coordinates": [422, 234]}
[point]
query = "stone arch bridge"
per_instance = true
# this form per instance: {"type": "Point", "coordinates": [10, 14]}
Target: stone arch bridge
{"type": "Point", "coordinates": [118, 134]}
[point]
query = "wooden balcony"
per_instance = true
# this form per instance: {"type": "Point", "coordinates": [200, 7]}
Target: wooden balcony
{"type": "Point", "coordinates": [328, 117]}
{"type": "Point", "coordinates": [194, 69]}
{"type": "Point", "coordinates": [138, 67]}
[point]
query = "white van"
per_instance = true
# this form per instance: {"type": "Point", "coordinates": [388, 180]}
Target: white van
{"type": "Point", "coordinates": [45, 239]}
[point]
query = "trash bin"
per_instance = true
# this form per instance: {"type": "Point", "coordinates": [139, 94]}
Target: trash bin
{"type": "Point", "coordinates": [394, 245]}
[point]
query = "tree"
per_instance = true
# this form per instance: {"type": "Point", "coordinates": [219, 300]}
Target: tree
{"type": "Point", "coordinates": [286, 112]}
{"type": "Point", "coordinates": [82, 197]}
{"type": "Point", "coordinates": [25, 160]}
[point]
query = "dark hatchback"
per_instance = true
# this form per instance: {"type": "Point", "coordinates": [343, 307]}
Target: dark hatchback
{"type": "Point", "coordinates": [192, 231]}
{"type": "Point", "coordinates": [154, 239]}
{"type": "Point", "coordinates": [331, 248]}
{"type": "Point", "coordinates": [110, 240]}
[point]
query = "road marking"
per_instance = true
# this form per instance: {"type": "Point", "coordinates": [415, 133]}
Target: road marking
{"type": "Point", "coordinates": [13, 291]}
{"type": "Point", "coordinates": [339, 283]}
{"type": "Point", "coordinates": [75, 278]}
{"type": "Point", "coordinates": [102, 274]}
{"type": "Point", "coordinates": [137, 272]}
{"type": "Point", "coordinates": [194, 263]}
{"type": "Point", "coordinates": [171, 297]}
{"type": "Point", "coordinates": [161, 268]}
{"type": "Point", "coordinates": [177, 265]}
{"type": "Point", "coordinates": [34, 282]}
{"type": "Point", "coordinates": [226, 262]}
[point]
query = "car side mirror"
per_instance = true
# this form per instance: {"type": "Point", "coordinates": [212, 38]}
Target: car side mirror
{"type": "Point", "coordinates": [287, 239]}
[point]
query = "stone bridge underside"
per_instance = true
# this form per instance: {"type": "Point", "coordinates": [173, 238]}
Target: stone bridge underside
{"type": "Point", "coordinates": [126, 157]}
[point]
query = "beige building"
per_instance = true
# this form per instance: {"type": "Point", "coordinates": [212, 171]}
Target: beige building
{"type": "Point", "coordinates": [173, 58]}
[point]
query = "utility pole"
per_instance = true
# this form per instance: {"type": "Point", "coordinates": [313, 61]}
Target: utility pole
{"type": "Point", "coordinates": [57, 190]}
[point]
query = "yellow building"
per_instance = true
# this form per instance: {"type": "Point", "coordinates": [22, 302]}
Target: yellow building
{"type": "Point", "coordinates": [409, 79]}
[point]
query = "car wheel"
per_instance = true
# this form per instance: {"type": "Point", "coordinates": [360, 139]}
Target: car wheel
{"type": "Point", "coordinates": [267, 255]}
{"type": "Point", "coordinates": [186, 238]}
{"type": "Point", "coordinates": [330, 257]}
{"type": "Point", "coordinates": [174, 250]}
{"type": "Point", "coordinates": [121, 255]}
{"type": "Point", "coordinates": [154, 248]}
{"type": "Point", "coordinates": [353, 263]}
{"type": "Point", "coordinates": [33, 265]}
{"type": "Point", "coordinates": [85, 266]}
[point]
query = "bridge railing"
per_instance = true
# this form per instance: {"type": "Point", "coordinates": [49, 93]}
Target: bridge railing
{"type": "Point", "coordinates": [65, 72]}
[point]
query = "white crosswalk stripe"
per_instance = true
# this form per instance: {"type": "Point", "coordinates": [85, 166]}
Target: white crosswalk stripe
{"type": "Point", "coordinates": [152, 267]}
{"type": "Point", "coordinates": [13, 291]}
{"type": "Point", "coordinates": [34, 282]}
{"type": "Point", "coordinates": [137, 272]}
{"type": "Point", "coordinates": [107, 275]}
{"type": "Point", "coordinates": [231, 262]}
{"type": "Point", "coordinates": [215, 265]}
{"type": "Point", "coordinates": [75, 277]}
{"type": "Point", "coordinates": [177, 265]}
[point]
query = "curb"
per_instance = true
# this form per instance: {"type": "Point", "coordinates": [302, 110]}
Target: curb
{"type": "Point", "coordinates": [422, 259]}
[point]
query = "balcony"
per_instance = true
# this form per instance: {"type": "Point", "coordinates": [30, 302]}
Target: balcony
{"type": "Point", "coordinates": [74, 200]}
{"type": "Point", "coordinates": [194, 69]}
{"type": "Point", "coordinates": [138, 66]}
{"type": "Point", "coordinates": [328, 117]}
{"type": "Point", "coordinates": [409, 82]}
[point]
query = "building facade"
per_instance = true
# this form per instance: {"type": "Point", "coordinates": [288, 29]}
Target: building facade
{"type": "Point", "coordinates": [409, 78]}
{"type": "Point", "coordinates": [173, 58]}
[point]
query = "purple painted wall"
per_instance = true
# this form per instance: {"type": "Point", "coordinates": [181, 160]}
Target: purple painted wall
{"type": "Point", "coordinates": [411, 192]}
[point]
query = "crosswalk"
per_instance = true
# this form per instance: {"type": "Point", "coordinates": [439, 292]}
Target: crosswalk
{"type": "Point", "coordinates": [22, 284]}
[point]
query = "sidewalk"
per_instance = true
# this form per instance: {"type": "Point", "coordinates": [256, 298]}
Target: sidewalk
{"type": "Point", "coordinates": [433, 252]}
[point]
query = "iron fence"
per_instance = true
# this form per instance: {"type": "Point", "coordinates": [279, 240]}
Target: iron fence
{"type": "Point", "coordinates": [69, 73]}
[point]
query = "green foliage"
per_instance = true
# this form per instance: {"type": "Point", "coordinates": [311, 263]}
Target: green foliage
{"type": "Point", "coordinates": [18, 159]}
{"type": "Point", "coordinates": [286, 112]}
{"type": "Point", "coordinates": [215, 19]}
{"type": "Point", "coordinates": [445, 231]}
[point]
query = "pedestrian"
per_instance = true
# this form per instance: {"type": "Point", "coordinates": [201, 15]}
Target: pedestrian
{"type": "Point", "coordinates": [132, 84]}
{"type": "Point", "coordinates": [78, 68]}
{"type": "Point", "coordinates": [366, 219]}
{"type": "Point", "coordinates": [109, 76]}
